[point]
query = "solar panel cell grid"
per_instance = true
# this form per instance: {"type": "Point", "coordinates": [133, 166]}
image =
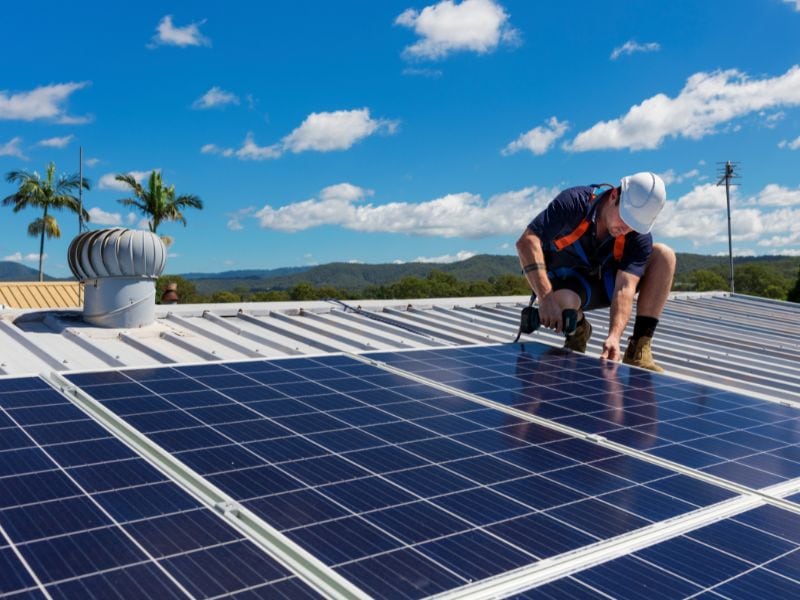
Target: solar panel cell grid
{"type": "Point", "coordinates": [433, 484]}
{"type": "Point", "coordinates": [728, 435]}
{"type": "Point", "coordinates": [747, 556]}
{"type": "Point", "coordinates": [93, 520]}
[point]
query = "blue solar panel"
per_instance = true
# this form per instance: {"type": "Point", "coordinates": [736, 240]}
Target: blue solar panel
{"type": "Point", "coordinates": [753, 555]}
{"type": "Point", "coordinates": [442, 491]}
{"type": "Point", "coordinates": [83, 516]}
{"type": "Point", "coordinates": [741, 439]}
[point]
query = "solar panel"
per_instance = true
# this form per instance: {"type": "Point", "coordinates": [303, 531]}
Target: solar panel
{"type": "Point", "coordinates": [753, 555]}
{"type": "Point", "coordinates": [83, 516]}
{"type": "Point", "coordinates": [744, 440]}
{"type": "Point", "coordinates": [404, 489]}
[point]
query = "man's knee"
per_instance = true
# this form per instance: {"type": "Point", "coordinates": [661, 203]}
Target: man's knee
{"type": "Point", "coordinates": [662, 259]}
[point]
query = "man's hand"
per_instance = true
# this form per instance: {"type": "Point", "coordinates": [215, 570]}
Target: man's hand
{"type": "Point", "coordinates": [611, 349]}
{"type": "Point", "coordinates": [550, 313]}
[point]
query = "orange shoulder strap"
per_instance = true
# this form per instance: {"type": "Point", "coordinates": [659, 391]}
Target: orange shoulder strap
{"type": "Point", "coordinates": [573, 237]}
{"type": "Point", "coordinates": [619, 247]}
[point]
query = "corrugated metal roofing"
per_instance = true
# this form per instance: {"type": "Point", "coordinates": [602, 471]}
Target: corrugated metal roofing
{"type": "Point", "coordinates": [50, 294]}
{"type": "Point", "coordinates": [739, 342]}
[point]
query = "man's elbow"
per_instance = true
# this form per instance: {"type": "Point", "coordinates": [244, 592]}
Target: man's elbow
{"type": "Point", "coordinates": [526, 242]}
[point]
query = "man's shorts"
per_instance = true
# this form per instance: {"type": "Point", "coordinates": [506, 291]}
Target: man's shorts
{"type": "Point", "coordinates": [594, 292]}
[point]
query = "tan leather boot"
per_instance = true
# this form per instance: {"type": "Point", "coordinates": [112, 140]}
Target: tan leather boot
{"type": "Point", "coordinates": [578, 340]}
{"type": "Point", "coordinates": [640, 354]}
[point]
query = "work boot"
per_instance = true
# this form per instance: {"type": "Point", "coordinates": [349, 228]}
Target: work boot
{"type": "Point", "coordinates": [580, 337]}
{"type": "Point", "coordinates": [640, 354]}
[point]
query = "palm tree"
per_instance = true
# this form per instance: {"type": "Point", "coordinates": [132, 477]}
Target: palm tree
{"type": "Point", "coordinates": [158, 202]}
{"type": "Point", "coordinates": [46, 194]}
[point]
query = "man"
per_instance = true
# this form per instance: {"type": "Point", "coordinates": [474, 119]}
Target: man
{"type": "Point", "coordinates": [587, 251]}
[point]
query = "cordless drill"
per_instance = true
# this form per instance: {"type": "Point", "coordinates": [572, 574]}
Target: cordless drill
{"type": "Point", "coordinates": [529, 321]}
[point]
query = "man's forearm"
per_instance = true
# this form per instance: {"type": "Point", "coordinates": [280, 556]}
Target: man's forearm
{"type": "Point", "coordinates": [531, 259]}
{"type": "Point", "coordinates": [620, 313]}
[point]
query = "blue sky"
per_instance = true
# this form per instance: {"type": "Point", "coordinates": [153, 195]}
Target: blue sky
{"type": "Point", "coordinates": [318, 131]}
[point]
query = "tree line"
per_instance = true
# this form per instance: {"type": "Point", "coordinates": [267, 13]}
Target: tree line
{"type": "Point", "coordinates": [752, 279]}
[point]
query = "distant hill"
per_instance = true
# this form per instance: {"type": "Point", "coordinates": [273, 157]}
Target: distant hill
{"type": "Point", "coordinates": [14, 271]}
{"type": "Point", "coordinates": [357, 277]}
{"type": "Point", "coordinates": [247, 273]}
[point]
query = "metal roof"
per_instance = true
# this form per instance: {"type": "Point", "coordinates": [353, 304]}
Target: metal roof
{"type": "Point", "coordinates": [738, 342]}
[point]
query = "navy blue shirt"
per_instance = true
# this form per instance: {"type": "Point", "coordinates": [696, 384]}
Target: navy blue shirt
{"type": "Point", "coordinates": [564, 214]}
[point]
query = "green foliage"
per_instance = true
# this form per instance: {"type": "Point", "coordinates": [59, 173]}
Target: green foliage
{"type": "Point", "coordinates": [158, 202]}
{"type": "Point", "coordinates": [46, 194]}
{"type": "Point", "coordinates": [705, 280]}
{"type": "Point", "coordinates": [794, 293]}
{"type": "Point", "coordinates": [759, 280]}
{"type": "Point", "coordinates": [224, 296]}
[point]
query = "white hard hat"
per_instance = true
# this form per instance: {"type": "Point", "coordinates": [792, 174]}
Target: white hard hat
{"type": "Point", "coordinates": [643, 197]}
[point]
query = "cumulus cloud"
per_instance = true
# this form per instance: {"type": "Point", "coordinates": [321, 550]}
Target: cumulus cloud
{"type": "Point", "coordinates": [19, 257]}
{"type": "Point", "coordinates": [214, 98]}
{"type": "Point", "coordinates": [100, 217]}
{"type": "Point", "coordinates": [323, 132]}
{"type": "Point", "coordinates": [771, 218]}
{"type": "Point", "coordinates": [670, 176]}
{"type": "Point", "coordinates": [12, 148]}
{"type": "Point", "coordinates": [707, 101]}
{"type": "Point", "coordinates": [445, 258]}
{"type": "Point", "coordinates": [539, 139]}
{"type": "Point", "coordinates": [472, 25]}
{"type": "Point", "coordinates": [337, 130]}
{"type": "Point", "coordinates": [631, 47]}
{"type": "Point", "coordinates": [454, 215]}
{"type": "Point", "coordinates": [235, 218]}
{"type": "Point", "coordinates": [56, 142]}
{"type": "Point", "coordinates": [108, 181]}
{"type": "Point", "coordinates": [793, 145]}
{"type": "Point", "coordinates": [44, 102]}
{"type": "Point", "coordinates": [167, 34]}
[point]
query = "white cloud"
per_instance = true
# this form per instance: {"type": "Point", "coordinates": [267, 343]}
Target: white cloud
{"type": "Point", "coordinates": [131, 217]}
{"type": "Point", "coordinates": [323, 132]}
{"type": "Point", "coordinates": [472, 25]}
{"type": "Point", "coordinates": [235, 218]}
{"type": "Point", "coordinates": [337, 130]}
{"type": "Point", "coordinates": [415, 71]}
{"type": "Point", "coordinates": [770, 219]}
{"type": "Point", "coordinates": [43, 102]}
{"type": "Point", "coordinates": [12, 148]}
{"type": "Point", "coordinates": [707, 101]}
{"type": "Point", "coordinates": [445, 258]}
{"type": "Point", "coordinates": [108, 181]}
{"type": "Point", "coordinates": [98, 216]}
{"type": "Point", "coordinates": [56, 142]}
{"type": "Point", "coordinates": [796, 4]}
{"type": "Point", "coordinates": [168, 34]}
{"type": "Point", "coordinates": [215, 97]}
{"type": "Point", "coordinates": [539, 139]}
{"type": "Point", "coordinates": [670, 176]}
{"type": "Point", "coordinates": [776, 195]}
{"type": "Point", "coordinates": [793, 145]}
{"type": "Point", "coordinates": [631, 47]}
{"type": "Point", "coordinates": [91, 162]}
{"type": "Point", "coordinates": [29, 258]}
{"type": "Point", "coordinates": [454, 215]}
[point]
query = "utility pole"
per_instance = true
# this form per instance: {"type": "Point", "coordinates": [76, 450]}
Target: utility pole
{"type": "Point", "coordinates": [728, 172]}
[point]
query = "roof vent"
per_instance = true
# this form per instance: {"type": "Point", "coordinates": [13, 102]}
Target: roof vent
{"type": "Point", "coordinates": [118, 267]}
